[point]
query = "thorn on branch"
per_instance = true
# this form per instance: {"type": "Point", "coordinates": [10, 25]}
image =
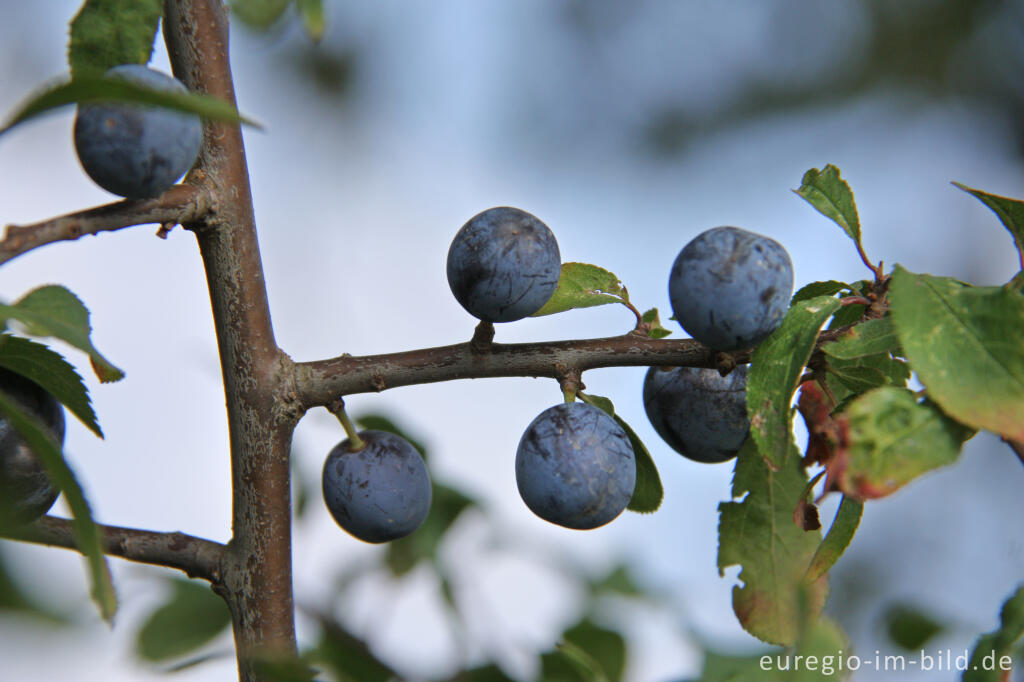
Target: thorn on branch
{"type": "Point", "coordinates": [179, 204]}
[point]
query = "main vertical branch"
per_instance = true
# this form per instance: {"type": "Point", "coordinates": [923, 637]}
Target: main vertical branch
{"type": "Point", "coordinates": [257, 582]}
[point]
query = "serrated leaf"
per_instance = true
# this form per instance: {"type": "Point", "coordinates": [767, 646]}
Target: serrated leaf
{"type": "Point", "coordinates": [838, 538]}
{"type": "Point", "coordinates": [191, 617]}
{"type": "Point", "coordinates": [648, 491]}
{"type": "Point", "coordinates": [54, 311]}
{"type": "Point", "coordinates": [833, 198]}
{"type": "Point", "coordinates": [52, 372]}
{"type": "Point", "coordinates": [1010, 213]}
{"type": "Point", "coordinates": [446, 504]}
{"type": "Point", "coordinates": [91, 89]}
{"type": "Point", "coordinates": [815, 289]}
{"type": "Point", "coordinates": [867, 338]}
{"type": "Point", "coordinates": [846, 378]}
{"type": "Point", "coordinates": [909, 627]}
{"type": "Point", "coordinates": [964, 344]}
{"type": "Point", "coordinates": [581, 285]}
{"type": "Point", "coordinates": [758, 534]}
{"type": "Point", "coordinates": [107, 33]}
{"type": "Point", "coordinates": [775, 370]}
{"type": "Point", "coordinates": [893, 439]}
{"type": "Point", "coordinates": [87, 535]}
{"type": "Point", "coordinates": [653, 324]}
{"type": "Point", "coordinates": [998, 643]}
{"type": "Point", "coordinates": [859, 379]}
{"type": "Point", "coordinates": [313, 20]}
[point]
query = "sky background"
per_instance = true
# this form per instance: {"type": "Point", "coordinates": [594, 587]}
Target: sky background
{"type": "Point", "coordinates": [628, 129]}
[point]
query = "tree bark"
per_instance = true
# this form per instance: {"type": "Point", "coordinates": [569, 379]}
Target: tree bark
{"type": "Point", "coordinates": [257, 576]}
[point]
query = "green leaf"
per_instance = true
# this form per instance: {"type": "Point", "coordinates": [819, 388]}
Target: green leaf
{"type": "Point", "coordinates": [87, 535]}
{"type": "Point", "coordinates": [378, 422]}
{"type": "Point", "coordinates": [994, 646]}
{"type": "Point", "coordinates": [618, 581]}
{"type": "Point", "coordinates": [107, 33]}
{"type": "Point", "coordinates": [90, 89]}
{"type": "Point", "coordinates": [759, 535]}
{"type": "Point", "coordinates": [446, 504]}
{"type": "Point", "coordinates": [653, 324]}
{"type": "Point", "coordinates": [829, 193]}
{"type": "Point", "coordinates": [648, 491]}
{"type": "Point", "coordinates": [775, 370]}
{"type": "Point", "coordinates": [859, 379]}
{"type": "Point", "coordinates": [1010, 213]}
{"type": "Point", "coordinates": [313, 21]}
{"type": "Point", "coordinates": [348, 657]}
{"type": "Point", "coordinates": [815, 289]}
{"type": "Point", "coordinates": [867, 338]}
{"type": "Point", "coordinates": [582, 286]}
{"type": "Point", "coordinates": [606, 648]}
{"type": "Point", "coordinates": [54, 311]}
{"type": "Point", "coordinates": [487, 673]}
{"type": "Point", "coordinates": [48, 369]}
{"type": "Point", "coordinates": [587, 653]}
{"type": "Point", "coordinates": [191, 617]}
{"type": "Point", "coordinates": [823, 640]}
{"type": "Point", "coordinates": [846, 378]}
{"type": "Point", "coordinates": [259, 14]}
{"type": "Point", "coordinates": [965, 346]}
{"type": "Point", "coordinates": [909, 627]}
{"type": "Point", "coordinates": [840, 533]}
{"type": "Point", "coordinates": [893, 439]}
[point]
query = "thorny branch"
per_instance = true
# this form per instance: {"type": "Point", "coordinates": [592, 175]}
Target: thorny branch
{"type": "Point", "coordinates": [179, 204]}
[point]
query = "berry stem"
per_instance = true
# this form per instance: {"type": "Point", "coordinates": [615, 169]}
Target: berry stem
{"type": "Point", "coordinates": [337, 408]}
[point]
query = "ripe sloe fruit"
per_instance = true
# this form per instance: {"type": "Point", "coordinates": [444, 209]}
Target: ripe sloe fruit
{"type": "Point", "coordinates": [379, 493]}
{"type": "Point", "coordinates": [503, 265]}
{"type": "Point", "coordinates": [575, 466]}
{"type": "Point", "coordinates": [730, 288]}
{"type": "Point", "coordinates": [132, 150]}
{"type": "Point", "coordinates": [25, 490]}
{"type": "Point", "coordinates": [698, 412]}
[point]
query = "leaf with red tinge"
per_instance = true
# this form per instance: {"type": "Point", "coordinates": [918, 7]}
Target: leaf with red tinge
{"type": "Point", "coordinates": [758, 534]}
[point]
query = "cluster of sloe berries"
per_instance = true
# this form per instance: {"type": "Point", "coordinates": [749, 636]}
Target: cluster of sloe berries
{"type": "Point", "coordinates": [575, 465]}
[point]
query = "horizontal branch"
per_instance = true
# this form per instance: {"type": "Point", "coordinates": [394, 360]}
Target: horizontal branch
{"type": "Point", "coordinates": [197, 557]}
{"type": "Point", "coordinates": [179, 204]}
{"type": "Point", "coordinates": [320, 382]}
